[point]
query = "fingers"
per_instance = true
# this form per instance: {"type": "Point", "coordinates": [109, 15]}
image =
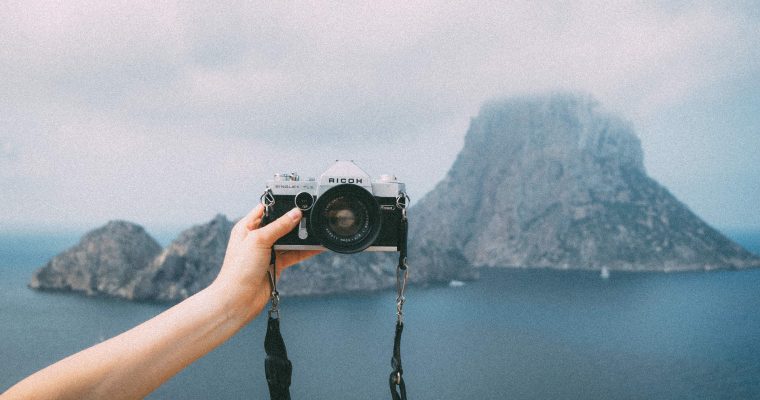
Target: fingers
{"type": "Point", "coordinates": [286, 259]}
{"type": "Point", "coordinates": [253, 219]}
{"type": "Point", "coordinates": [248, 223]}
{"type": "Point", "coordinates": [267, 235]}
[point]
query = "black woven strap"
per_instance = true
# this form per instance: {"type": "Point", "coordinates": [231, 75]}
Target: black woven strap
{"type": "Point", "coordinates": [277, 366]}
{"type": "Point", "coordinates": [396, 380]}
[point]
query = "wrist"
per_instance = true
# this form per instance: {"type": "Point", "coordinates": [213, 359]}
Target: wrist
{"type": "Point", "coordinates": [240, 303]}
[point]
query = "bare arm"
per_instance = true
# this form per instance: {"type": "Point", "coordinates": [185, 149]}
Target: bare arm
{"type": "Point", "coordinates": [136, 362]}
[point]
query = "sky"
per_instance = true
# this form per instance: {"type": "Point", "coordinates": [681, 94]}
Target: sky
{"type": "Point", "coordinates": [166, 113]}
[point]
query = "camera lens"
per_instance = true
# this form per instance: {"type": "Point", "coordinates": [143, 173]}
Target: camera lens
{"type": "Point", "coordinates": [346, 219]}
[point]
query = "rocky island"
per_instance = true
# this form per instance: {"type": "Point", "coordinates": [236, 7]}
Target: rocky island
{"type": "Point", "coordinates": [544, 181]}
{"type": "Point", "coordinates": [107, 260]}
{"type": "Point", "coordinates": [556, 181]}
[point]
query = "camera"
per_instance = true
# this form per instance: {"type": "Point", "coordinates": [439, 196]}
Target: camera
{"type": "Point", "coordinates": [344, 210]}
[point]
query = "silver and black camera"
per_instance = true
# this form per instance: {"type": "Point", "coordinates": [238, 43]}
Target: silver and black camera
{"type": "Point", "coordinates": [344, 210]}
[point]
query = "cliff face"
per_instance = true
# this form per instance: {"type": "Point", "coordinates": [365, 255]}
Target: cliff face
{"type": "Point", "coordinates": [106, 261]}
{"type": "Point", "coordinates": [556, 182]}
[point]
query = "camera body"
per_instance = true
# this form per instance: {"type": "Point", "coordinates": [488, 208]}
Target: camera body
{"type": "Point", "coordinates": [344, 210]}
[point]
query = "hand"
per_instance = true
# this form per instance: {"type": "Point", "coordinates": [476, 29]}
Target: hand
{"type": "Point", "coordinates": [243, 278]}
{"type": "Point", "coordinates": [134, 363]}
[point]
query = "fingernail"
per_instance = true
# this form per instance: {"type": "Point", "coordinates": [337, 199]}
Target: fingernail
{"type": "Point", "coordinates": [294, 214]}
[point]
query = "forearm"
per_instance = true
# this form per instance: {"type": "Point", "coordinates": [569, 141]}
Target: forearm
{"type": "Point", "coordinates": [133, 364]}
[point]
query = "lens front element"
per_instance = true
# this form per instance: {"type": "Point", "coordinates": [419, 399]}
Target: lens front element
{"type": "Point", "coordinates": [346, 218]}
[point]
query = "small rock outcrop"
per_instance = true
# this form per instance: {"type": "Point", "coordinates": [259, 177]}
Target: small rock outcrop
{"type": "Point", "coordinates": [186, 266]}
{"type": "Point", "coordinates": [339, 273]}
{"type": "Point", "coordinates": [105, 262]}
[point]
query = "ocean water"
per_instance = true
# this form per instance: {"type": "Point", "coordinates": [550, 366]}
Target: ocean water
{"type": "Point", "coordinates": [524, 334]}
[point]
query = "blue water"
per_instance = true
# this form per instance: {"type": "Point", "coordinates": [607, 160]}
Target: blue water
{"type": "Point", "coordinates": [526, 334]}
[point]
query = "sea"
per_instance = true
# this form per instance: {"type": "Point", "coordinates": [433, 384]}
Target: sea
{"type": "Point", "coordinates": [512, 334]}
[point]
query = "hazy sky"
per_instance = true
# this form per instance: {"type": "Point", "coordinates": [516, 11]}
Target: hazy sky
{"type": "Point", "coordinates": [166, 113]}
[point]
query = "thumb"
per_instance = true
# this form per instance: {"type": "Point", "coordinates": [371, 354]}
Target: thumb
{"type": "Point", "coordinates": [278, 228]}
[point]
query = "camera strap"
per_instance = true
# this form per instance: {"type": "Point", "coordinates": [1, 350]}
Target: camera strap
{"type": "Point", "coordinates": [277, 366]}
{"type": "Point", "coordinates": [396, 379]}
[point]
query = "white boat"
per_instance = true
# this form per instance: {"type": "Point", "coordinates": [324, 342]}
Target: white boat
{"type": "Point", "coordinates": [605, 274]}
{"type": "Point", "coordinates": [456, 283]}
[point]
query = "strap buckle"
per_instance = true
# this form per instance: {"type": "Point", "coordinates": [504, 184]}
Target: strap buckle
{"type": "Point", "coordinates": [402, 273]}
{"type": "Point", "coordinates": [402, 202]}
{"type": "Point", "coordinates": [274, 310]}
{"type": "Point", "coordinates": [267, 199]}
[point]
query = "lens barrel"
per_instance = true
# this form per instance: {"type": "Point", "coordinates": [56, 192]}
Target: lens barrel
{"type": "Point", "coordinates": [346, 219]}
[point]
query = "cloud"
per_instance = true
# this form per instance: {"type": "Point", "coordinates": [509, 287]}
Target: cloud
{"type": "Point", "coordinates": [316, 63]}
{"type": "Point", "coordinates": [145, 100]}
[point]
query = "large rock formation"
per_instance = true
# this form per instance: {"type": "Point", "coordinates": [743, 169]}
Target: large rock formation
{"type": "Point", "coordinates": [555, 181]}
{"type": "Point", "coordinates": [106, 261]}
